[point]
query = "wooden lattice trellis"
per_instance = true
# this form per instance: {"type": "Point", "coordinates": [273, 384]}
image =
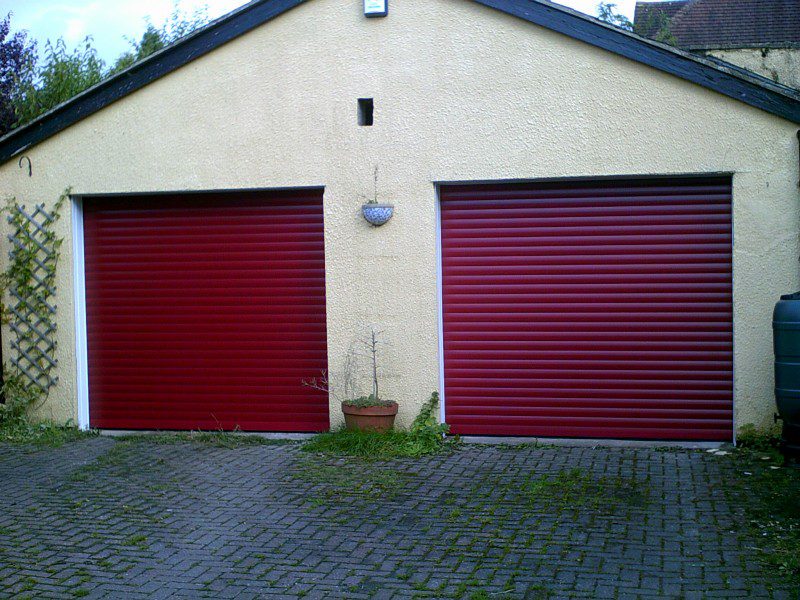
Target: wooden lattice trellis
{"type": "Point", "coordinates": [34, 254]}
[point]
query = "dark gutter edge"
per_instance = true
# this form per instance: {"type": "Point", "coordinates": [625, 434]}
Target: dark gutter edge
{"type": "Point", "coordinates": [140, 74]}
{"type": "Point", "coordinates": [743, 86]}
{"type": "Point", "coordinates": [740, 85]}
{"type": "Point", "coordinates": [759, 79]}
{"type": "Point", "coordinates": [742, 46]}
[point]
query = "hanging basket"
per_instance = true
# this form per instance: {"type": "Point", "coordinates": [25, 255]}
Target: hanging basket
{"type": "Point", "coordinates": [377, 214]}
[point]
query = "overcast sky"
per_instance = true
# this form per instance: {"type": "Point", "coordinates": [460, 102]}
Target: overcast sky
{"type": "Point", "coordinates": [109, 21]}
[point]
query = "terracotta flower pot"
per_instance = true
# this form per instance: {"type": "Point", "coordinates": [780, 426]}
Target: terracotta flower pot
{"type": "Point", "coordinates": [372, 418]}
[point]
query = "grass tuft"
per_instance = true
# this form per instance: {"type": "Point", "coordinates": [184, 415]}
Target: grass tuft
{"type": "Point", "coordinates": [369, 401]}
{"type": "Point", "coordinates": [138, 540]}
{"type": "Point", "coordinates": [216, 439]}
{"type": "Point", "coordinates": [762, 440]}
{"type": "Point", "coordinates": [773, 513]}
{"type": "Point", "coordinates": [371, 444]}
{"type": "Point", "coordinates": [343, 483]}
{"type": "Point", "coordinates": [46, 434]}
{"type": "Point", "coordinates": [579, 489]}
{"type": "Point", "coordinates": [426, 436]}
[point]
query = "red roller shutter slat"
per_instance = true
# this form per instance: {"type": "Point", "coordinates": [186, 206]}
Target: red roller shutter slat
{"type": "Point", "coordinates": [206, 311]}
{"type": "Point", "coordinates": [589, 309]}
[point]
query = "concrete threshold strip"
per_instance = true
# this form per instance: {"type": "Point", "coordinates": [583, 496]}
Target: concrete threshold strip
{"type": "Point", "coordinates": [143, 432]}
{"type": "Point", "coordinates": [467, 439]}
{"type": "Point", "coordinates": [591, 443]}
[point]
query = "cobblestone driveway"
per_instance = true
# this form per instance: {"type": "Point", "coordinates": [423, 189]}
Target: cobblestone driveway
{"type": "Point", "coordinates": [104, 518]}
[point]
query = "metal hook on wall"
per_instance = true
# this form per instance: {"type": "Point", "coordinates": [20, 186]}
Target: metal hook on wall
{"type": "Point", "coordinates": [30, 166]}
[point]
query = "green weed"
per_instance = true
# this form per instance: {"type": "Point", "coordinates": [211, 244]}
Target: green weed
{"type": "Point", "coordinates": [771, 506]}
{"type": "Point", "coordinates": [426, 436]}
{"type": "Point", "coordinates": [374, 445]}
{"type": "Point", "coordinates": [347, 482]}
{"type": "Point", "coordinates": [216, 439]}
{"type": "Point", "coordinates": [137, 540]}
{"type": "Point", "coordinates": [762, 440]}
{"type": "Point", "coordinates": [577, 488]}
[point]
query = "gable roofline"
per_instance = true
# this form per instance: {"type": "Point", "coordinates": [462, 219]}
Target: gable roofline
{"type": "Point", "coordinates": [741, 85]}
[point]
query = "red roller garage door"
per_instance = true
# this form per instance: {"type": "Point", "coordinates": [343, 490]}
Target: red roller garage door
{"type": "Point", "coordinates": [206, 311]}
{"type": "Point", "coordinates": [589, 309]}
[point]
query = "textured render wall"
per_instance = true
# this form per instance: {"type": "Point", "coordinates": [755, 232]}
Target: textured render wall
{"type": "Point", "coordinates": [461, 92]}
{"type": "Point", "coordinates": [779, 64]}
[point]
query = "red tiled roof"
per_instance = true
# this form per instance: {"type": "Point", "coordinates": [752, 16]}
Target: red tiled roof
{"type": "Point", "coordinates": [705, 24]}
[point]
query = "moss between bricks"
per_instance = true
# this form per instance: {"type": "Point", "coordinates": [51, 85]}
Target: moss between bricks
{"type": "Point", "coordinates": [767, 493]}
{"type": "Point", "coordinates": [215, 439]}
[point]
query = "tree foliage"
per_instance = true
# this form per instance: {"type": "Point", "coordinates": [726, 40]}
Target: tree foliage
{"type": "Point", "coordinates": [150, 43]}
{"type": "Point", "coordinates": [154, 39]}
{"type": "Point", "coordinates": [62, 74]}
{"type": "Point", "coordinates": [17, 56]}
{"type": "Point", "coordinates": [607, 11]}
{"type": "Point", "coordinates": [656, 24]}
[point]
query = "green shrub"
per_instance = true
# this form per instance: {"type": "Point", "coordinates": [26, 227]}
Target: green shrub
{"type": "Point", "coordinates": [23, 432]}
{"type": "Point", "coordinates": [426, 436]}
{"type": "Point", "coordinates": [18, 397]}
{"type": "Point", "coordinates": [761, 440]}
{"type": "Point", "coordinates": [16, 428]}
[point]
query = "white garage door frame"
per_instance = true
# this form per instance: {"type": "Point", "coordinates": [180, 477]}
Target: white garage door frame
{"type": "Point", "coordinates": [79, 286]}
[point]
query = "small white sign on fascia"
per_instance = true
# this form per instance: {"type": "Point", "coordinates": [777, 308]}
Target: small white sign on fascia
{"type": "Point", "coordinates": [376, 8]}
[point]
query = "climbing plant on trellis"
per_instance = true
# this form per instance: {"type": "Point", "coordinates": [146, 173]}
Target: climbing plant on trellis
{"type": "Point", "coordinates": [31, 284]}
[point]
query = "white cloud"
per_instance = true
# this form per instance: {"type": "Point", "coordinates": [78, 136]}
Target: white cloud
{"type": "Point", "coordinates": [75, 31]}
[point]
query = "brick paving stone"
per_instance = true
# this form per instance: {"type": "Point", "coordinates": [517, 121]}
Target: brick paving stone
{"type": "Point", "coordinates": [123, 519]}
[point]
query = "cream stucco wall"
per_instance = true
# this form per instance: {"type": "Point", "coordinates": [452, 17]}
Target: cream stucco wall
{"type": "Point", "coordinates": [462, 92]}
{"type": "Point", "coordinates": [782, 65]}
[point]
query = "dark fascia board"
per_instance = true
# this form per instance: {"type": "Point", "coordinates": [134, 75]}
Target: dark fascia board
{"type": "Point", "coordinates": [140, 74]}
{"type": "Point", "coordinates": [749, 74]}
{"type": "Point", "coordinates": [744, 46]}
{"type": "Point", "coordinates": [743, 86]}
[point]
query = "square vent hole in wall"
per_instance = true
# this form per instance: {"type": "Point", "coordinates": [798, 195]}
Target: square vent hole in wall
{"type": "Point", "coordinates": [366, 111]}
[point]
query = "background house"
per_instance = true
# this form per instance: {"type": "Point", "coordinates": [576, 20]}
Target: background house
{"type": "Point", "coordinates": [762, 36]}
